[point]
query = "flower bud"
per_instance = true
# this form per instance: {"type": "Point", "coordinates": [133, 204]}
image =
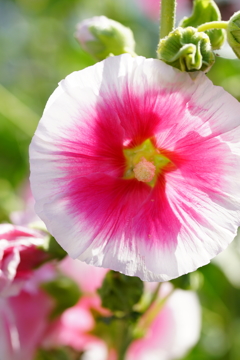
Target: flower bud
{"type": "Point", "coordinates": [233, 33]}
{"type": "Point", "coordinates": [206, 11]}
{"type": "Point", "coordinates": [187, 50]}
{"type": "Point", "coordinates": [101, 37]}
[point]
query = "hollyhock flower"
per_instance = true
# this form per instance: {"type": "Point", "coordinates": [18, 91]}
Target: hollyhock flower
{"type": "Point", "coordinates": [73, 327]}
{"type": "Point", "coordinates": [134, 167]}
{"type": "Point", "coordinates": [19, 255]}
{"type": "Point", "coordinates": [24, 320]}
{"type": "Point", "coordinates": [174, 330]}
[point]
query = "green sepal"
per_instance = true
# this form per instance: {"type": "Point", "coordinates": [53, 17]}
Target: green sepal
{"type": "Point", "coordinates": [64, 291]}
{"type": "Point", "coordinates": [120, 292]}
{"type": "Point", "coordinates": [206, 11]}
{"type": "Point", "coordinates": [233, 33]}
{"type": "Point", "coordinates": [187, 50]}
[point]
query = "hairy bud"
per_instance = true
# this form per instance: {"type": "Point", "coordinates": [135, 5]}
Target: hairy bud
{"type": "Point", "coordinates": [186, 49]}
{"type": "Point", "coordinates": [101, 37]}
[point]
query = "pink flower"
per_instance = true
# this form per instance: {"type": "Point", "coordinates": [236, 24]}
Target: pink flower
{"type": "Point", "coordinates": [19, 255]}
{"type": "Point", "coordinates": [96, 128]}
{"type": "Point", "coordinates": [174, 330]}
{"type": "Point", "coordinates": [73, 327]}
{"type": "Point", "coordinates": [23, 322]}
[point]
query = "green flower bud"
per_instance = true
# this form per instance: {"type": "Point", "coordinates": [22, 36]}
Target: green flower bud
{"type": "Point", "coordinates": [233, 33]}
{"type": "Point", "coordinates": [120, 292]}
{"type": "Point", "coordinates": [206, 11]}
{"type": "Point", "coordinates": [101, 37]}
{"type": "Point", "coordinates": [187, 50]}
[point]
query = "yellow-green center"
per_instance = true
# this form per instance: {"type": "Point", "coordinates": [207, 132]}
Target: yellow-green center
{"type": "Point", "coordinates": [144, 162]}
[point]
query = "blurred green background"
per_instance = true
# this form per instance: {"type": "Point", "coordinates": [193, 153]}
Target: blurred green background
{"type": "Point", "coordinates": [38, 49]}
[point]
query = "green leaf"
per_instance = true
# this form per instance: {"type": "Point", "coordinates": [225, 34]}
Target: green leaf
{"type": "Point", "coordinates": [206, 11]}
{"type": "Point", "coordinates": [120, 292]}
{"type": "Point", "coordinates": [65, 292]}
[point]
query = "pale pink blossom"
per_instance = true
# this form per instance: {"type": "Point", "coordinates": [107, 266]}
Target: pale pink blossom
{"type": "Point", "coordinates": [97, 126]}
{"type": "Point", "coordinates": [167, 335]}
{"type": "Point", "coordinates": [73, 327]}
{"type": "Point", "coordinates": [174, 330]}
{"type": "Point", "coordinates": [23, 322]}
{"type": "Point", "coordinates": [19, 256]}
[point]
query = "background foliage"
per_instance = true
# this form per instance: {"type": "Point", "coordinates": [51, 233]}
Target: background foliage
{"type": "Point", "coordinates": [38, 50]}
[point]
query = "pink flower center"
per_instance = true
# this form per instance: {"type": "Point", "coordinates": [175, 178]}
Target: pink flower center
{"type": "Point", "coordinates": [144, 163]}
{"type": "Point", "coordinates": [144, 171]}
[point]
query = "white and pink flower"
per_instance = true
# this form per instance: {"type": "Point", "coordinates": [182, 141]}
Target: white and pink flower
{"type": "Point", "coordinates": [98, 125]}
{"type": "Point", "coordinates": [19, 256]}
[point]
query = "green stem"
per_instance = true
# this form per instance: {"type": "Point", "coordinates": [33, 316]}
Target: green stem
{"type": "Point", "coordinates": [125, 335]}
{"type": "Point", "coordinates": [125, 339]}
{"type": "Point", "coordinates": [213, 25]}
{"type": "Point", "coordinates": [154, 295]}
{"type": "Point", "coordinates": [168, 14]}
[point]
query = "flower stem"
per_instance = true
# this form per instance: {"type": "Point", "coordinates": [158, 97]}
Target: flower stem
{"type": "Point", "coordinates": [125, 336]}
{"type": "Point", "coordinates": [168, 13]}
{"type": "Point", "coordinates": [155, 294]}
{"type": "Point", "coordinates": [213, 25]}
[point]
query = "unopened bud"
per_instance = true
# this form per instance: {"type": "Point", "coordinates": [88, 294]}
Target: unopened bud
{"type": "Point", "coordinates": [187, 50]}
{"type": "Point", "coordinates": [101, 37]}
{"type": "Point", "coordinates": [205, 11]}
{"type": "Point", "coordinates": [233, 33]}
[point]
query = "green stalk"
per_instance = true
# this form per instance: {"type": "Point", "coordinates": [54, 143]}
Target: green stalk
{"type": "Point", "coordinates": [213, 25]}
{"type": "Point", "coordinates": [125, 338]}
{"type": "Point", "coordinates": [168, 14]}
